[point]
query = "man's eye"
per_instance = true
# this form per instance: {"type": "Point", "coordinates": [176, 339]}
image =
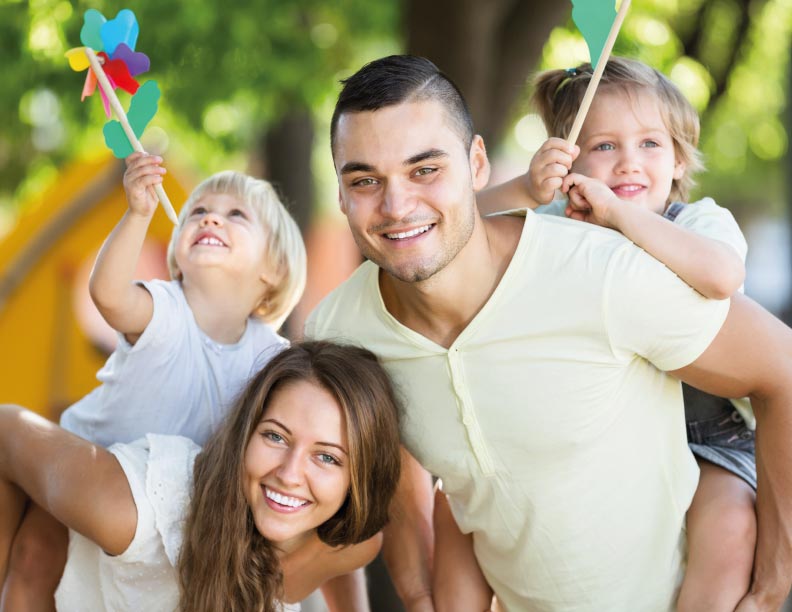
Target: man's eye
{"type": "Point", "coordinates": [425, 171]}
{"type": "Point", "coordinates": [364, 182]}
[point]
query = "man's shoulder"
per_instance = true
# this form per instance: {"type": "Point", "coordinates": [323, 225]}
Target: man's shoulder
{"type": "Point", "coordinates": [339, 311]}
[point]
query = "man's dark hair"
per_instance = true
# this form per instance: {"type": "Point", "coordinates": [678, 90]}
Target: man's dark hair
{"type": "Point", "coordinates": [401, 78]}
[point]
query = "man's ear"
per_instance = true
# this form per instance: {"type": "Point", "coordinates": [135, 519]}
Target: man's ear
{"type": "Point", "coordinates": [479, 163]}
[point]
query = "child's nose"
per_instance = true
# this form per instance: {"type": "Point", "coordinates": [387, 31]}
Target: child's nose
{"type": "Point", "coordinates": [627, 162]}
{"type": "Point", "coordinates": [211, 218]}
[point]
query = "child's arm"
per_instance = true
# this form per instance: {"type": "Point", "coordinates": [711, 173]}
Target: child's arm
{"type": "Point", "coordinates": [710, 266]}
{"type": "Point", "coordinates": [126, 306]}
{"type": "Point", "coordinates": [549, 165]}
{"type": "Point", "coordinates": [457, 584]}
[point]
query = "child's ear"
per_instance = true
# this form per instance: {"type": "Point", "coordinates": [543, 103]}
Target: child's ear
{"type": "Point", "coordinates": [679, 170]}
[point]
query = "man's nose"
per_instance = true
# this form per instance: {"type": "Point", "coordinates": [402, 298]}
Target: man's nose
{"type": "Point", "coordinates": [398, 202]}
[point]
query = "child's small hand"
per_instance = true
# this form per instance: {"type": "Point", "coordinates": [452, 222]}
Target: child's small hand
{"type": "Point", "coordinates": [142, 174]}
{"type": "Point", "coordinates": [590, 200]}
{"type": "Point", "coordinates": [550, 164]}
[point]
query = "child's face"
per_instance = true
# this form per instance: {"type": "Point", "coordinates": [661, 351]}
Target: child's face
{"type": "Point", "coordinates": [626, 144]}
{"type": "Point", "coordinates": [222, 233]}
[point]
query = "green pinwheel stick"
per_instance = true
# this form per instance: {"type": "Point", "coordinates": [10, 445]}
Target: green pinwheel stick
{"type": "Point", "coordinates": [120, 114]}
{"type": "Point", "coordinates": [588, 19]}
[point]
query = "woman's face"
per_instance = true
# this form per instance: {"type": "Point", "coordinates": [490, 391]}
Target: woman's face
{"type": "Point", "coordinates": [297, 464]}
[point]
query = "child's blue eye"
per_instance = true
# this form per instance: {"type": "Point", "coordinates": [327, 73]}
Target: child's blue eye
{"type": "Point", "coordinates": [198, 210]}
{"type": "Point", "coordinates": [605, 146]}
{"type": "Point", "coordinates": [238, 213]}
{"type": "Point", "coordinates": [651, 144]}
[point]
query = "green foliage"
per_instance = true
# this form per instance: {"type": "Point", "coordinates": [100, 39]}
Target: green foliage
{"type": "Point", "coordinates": [227, 70]}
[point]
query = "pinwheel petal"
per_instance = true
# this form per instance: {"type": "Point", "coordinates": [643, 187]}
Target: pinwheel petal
{"type": "Point", "coordinates": [90, 35]}
{"type": "Point", "coordinates": [77, 59]}
{"type": "Point", "coordinates": [137, 62]}
{"type": "Point", "coordinates": [123, 29]}
{"type": "Point", "coordinates": [118, 73]}
{"type": "Point", "coordinates": [105, 99]}
{"type": "Point", "coordinates": [142, 109]}
{"type": "Point", "coordinates": [90, 85]}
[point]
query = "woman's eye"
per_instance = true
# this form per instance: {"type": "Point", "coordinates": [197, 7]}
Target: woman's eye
{"type": "Point", "coordinates": [329, 459]}
{"type": "Point", "coordinates": [273, 437]}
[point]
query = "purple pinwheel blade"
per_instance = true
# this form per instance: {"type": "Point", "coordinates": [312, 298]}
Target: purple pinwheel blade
{"type": "Point", "coordinates": [137, 62]}
{"type": "Point", "coordinates": [90, 35]}
{"type": "Point", "coordinates": [123, 29]}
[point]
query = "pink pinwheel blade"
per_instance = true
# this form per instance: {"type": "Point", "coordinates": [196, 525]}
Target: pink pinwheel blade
{"type": "Point", "coordinates": [136, 62]}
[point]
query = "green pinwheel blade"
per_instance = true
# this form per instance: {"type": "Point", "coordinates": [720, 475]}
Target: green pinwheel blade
{"type": "Point", "coordinates": [594, 19]}
{"type": "Point", "coordinates": [142, 109]}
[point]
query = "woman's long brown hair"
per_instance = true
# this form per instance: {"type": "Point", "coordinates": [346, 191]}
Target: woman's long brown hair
{"type": "Point", "coordinates": [225, 564]}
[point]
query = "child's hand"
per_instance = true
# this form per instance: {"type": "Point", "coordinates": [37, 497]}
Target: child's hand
{"type": "Point", "coordinates": [142, 173]}
{"type": "Point", "coordinates": [590, 200]}
{"type": "Point", "coordinates": [550, 164]}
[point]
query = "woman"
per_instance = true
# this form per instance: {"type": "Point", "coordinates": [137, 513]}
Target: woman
{"type": "Point", "coordinates": [290, 492]}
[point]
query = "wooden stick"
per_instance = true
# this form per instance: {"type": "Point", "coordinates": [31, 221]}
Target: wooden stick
{"type": "Point", "coordinates": [595, 78]}
{"type": "Point", "coordinates": [120, 114]}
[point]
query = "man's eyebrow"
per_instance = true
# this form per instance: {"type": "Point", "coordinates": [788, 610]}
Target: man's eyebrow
{"type": "Point", "coordinates": [430, 154]}
{"type": "Point", "coordinates": [350, 167]}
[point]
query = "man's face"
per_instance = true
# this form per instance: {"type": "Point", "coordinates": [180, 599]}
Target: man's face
{"type": "Point", "coordinates": [406, 185]}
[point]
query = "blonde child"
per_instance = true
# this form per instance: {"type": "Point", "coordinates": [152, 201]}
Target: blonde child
{"type": "Point", "coordinates": [186, 347]}
{"type": "Point", "coordinates": [631, 171]}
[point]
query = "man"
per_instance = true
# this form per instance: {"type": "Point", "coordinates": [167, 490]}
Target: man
{"type": "Point", "coordinates": [530, 353]}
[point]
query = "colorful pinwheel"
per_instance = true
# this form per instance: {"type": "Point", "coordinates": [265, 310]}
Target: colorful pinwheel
{"type": "Point", "coordinates": [110, 54]}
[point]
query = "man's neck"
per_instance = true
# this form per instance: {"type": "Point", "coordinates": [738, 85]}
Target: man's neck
{"type": "Point", "coordinates": [441, 307]}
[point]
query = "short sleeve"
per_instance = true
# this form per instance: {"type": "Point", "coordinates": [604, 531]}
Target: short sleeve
{"type": "Point", "coordinates": [556, 208]}
{"type": "Point", "coordinates": [708, 219]}
{"type": "Point", "coordinates": [159, 471]}
{"type": "Point", "coordinates": [168, 318]}
{"type": "Point", "coordinates": [652, 313]}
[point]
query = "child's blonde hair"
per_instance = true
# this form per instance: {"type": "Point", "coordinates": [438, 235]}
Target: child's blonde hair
{"type": "Point", "coordinates": [285, 250]}
{"type": "Point", "coordinates": [558, 94]}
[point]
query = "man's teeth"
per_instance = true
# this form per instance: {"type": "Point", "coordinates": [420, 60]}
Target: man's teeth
{"type": "Point", "coordinates": [284, 500]}
{"type": "Point", "coordinates": [210, 241]}
{"type": "Point", "coordinates": [409, 234]}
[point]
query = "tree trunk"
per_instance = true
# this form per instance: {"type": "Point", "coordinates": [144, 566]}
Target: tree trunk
{"type": "Point", "coordinates": [487, 48]}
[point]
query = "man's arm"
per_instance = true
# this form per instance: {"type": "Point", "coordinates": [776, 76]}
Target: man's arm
{"type": "Point", "coordinates": [752, 355]}
{"type": "Point", "coordinates": [408, 545]}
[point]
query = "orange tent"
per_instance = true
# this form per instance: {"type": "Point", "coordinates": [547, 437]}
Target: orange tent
{"type": "Point", "coordinates": [52, 338]}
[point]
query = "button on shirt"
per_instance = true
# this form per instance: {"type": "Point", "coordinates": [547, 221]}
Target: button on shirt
{"type": "Point", "coordinates": [560, 442]}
